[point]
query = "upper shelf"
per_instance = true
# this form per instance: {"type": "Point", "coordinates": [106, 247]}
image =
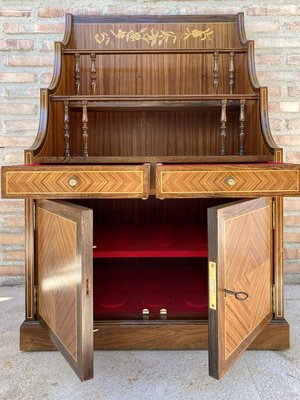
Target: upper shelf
{"type": "Point", "coordinates": [160, 102]}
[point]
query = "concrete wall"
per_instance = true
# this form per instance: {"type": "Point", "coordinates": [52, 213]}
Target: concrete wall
{"type": "Point", "coordinates": [28, 30]}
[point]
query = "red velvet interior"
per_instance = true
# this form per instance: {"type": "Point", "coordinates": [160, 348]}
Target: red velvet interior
{"type": "Point", "coordinates": [126, 290]}
{"type": "Point", "coordinates": [150, 240]}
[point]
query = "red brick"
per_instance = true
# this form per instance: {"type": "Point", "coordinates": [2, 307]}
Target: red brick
{"type": "Point", "coordinates": [274, 91]}
{"type": "Point", "coordinates": [14, 255]}
{"type": "Point", "coordinates": [292, 268]}
{"type": "Point", "coordinates": [17, 77]}
{"type": "Point", "coordinates": [11, 238]}
{"type": "Point", "coordinates": [275, 124]}
{"type": "Point", "coordinates": [278, 76]}
{"type": "Point", "coordinates": [46, 77]}
{"type": "Point", "coordinates": [16, 108]}
{"type": "Point", "coordinates": [15, 13]}
{"type": "Point", "coordinates": [274, 106]}
{"type": "Point", "coordinates": [291, 237]}
{"type": "Point", "coordinates": [16, 141]}
{"type": "Point", "coordinates": [16, 45]}
{"type": "Point", "coordinates": [31, 61]}
{"type": "Point", "coordinates": [291, 253]}
{"type": "Point", "coordinates": [255, 25]}
{"type": "Point", "coordinates": [16, 28]}
{"type": "Point", "coordinates": [23, 125]}
{"type": "Point", "coordinates": [287, 140]}
{"type": "Point", "coordinates": [293, 59]}
{"type": "Point", "coordinates": [289, 106]}
{"type": "Point", "coordinates": [51, 12]}
{"type": "Point", "coordinates": [46, 46]}
{"type": "Point", "coordinates": [293, 123]}
{"type": "Point", "coordinates": [14, 158]}
{"type": "Point", "coordinates": [274, 10]}
{"type": "Point", "coordinates": [291, 204]}
{"type": "Point", "coordinates": [11, 206]}
{"type": "Point", "coordinates": [14, 222]}
{"type": "Point", "coordinates": [292, 220]}
{"type": "Point", "coordinates": [12, 270]}
{"type": "Point", "coordinates": [293, 157]}
{"type": "Point", "coordinates": [293, 26]}
{"type": "Point", "coordinates": [19, 92]}
{"type": "Point", "coordinates": [269, 59]}
{"type": "Point", "coordinates": [279, 43]}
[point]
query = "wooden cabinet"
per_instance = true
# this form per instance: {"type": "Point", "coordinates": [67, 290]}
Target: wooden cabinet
{"type": "Point", "coordinates": [153, 194]}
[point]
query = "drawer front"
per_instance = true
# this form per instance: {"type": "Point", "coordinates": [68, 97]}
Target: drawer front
{"type": "Point", "coordinates": [75, 182]}
{"type": "Point", "coordinates": [227, 181]}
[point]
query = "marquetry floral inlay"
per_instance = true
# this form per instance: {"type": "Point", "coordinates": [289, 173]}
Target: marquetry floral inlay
{"type": "Point", "coordinates": [152, 36]}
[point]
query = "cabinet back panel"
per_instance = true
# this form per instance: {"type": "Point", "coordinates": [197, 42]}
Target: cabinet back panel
{"type": "Point", "coordinates": [156, 133]}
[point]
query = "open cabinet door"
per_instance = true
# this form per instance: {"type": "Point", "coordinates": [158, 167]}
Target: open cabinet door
{"type": "Point", "coordinates": [64, 267]}
{"type": "Point", "coordinates": [240, 278]}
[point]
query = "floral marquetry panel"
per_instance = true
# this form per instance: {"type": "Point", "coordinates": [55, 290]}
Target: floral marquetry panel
{"type": "Point", "coordinates": [188, 33]}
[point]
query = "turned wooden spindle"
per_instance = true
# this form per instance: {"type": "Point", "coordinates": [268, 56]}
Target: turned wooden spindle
{"type": "Point", "coordinates": [216, 71]}
{"type": "Point", "coordinates": [85, 135]}
{"type": "Point", "coordinates": [223, 128]}
{"type": "Point", "coordinates": [77, 73]}
{"type": "Point", "coordinates": [93, 73]}
{"type": "Point", "coordinates": [66, 128]}
{"type": "Point", "coordinates": [242, 127]}
{"type": "Point", "coordinates": [231, 72]}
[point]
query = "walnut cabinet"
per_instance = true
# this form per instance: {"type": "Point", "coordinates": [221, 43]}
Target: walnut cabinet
{"type": "Point", "coordinates": [153, 194]}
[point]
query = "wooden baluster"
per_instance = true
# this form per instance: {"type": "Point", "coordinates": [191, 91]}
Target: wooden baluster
{"type": "Point", "coordinates": [231, 72]}
{"type": "Point", "coordinates": [77, 73]}
{"type": "Point", "coordinates": [66, 129]}
{"type": "Point", "coordinates": [223, 128]}
{"type": "Point", "coordinates": [93, 73]}
{"type": "Point", "coordinates": [216, 71]}
{"type": "Point", "coordinates": [85, 135]}
{"type": "Point", "coordinates": [242, 127]}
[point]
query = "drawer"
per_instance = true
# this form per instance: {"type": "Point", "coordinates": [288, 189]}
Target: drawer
{"type": "Point", "coordinates": [227, 180]}
{"type": "Point", "coordinates": [40, 181]}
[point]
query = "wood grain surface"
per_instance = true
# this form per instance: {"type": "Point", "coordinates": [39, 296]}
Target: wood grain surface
{"type": "Point", "coordinates": [64, 241]}
{"type": "Point", "coordinates": [244, 258]}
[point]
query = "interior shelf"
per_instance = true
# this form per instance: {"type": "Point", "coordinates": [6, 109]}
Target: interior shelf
{"type": "Point", "coordinates": [124, 291]}
{"type": "Point", "coordinates": [150, 240]}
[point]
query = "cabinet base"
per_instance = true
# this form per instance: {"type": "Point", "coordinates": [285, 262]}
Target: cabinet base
{"type": "Point", "coordinates": [153, 335]}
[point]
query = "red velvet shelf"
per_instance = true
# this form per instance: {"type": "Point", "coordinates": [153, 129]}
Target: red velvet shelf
{"type": "Point", "coordinates": [150, 240]}
{"type": "Point", "coordinates": [125, 291]}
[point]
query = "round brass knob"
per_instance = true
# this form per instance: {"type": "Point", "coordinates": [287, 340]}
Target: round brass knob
{"type": "Point", "coordinates": [73, 181]}
{"type": "Point", "coordinates": [230, 181]}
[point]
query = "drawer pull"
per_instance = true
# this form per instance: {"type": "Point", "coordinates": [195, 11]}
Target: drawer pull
{"type": "Point", "coordinates": [237, 295]}
{"type": "Point", "coordinates": [230, 181]}
{"type": "Point", "coordinates": [73, 181]}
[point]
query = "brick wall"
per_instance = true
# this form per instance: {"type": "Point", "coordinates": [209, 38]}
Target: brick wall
{"type": "Point", "coordinates": [28, 30]}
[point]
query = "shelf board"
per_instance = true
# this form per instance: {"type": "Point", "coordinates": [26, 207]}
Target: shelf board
{"type": "Point", "coordinates": [154, 51]}
{"type": "Point", "coordinates": [154, 105]}
{"type": "Point", "coordinates": [150, 240]}
{"type": "Point", "coordinates": [157, 99]}
{"type": "Point", "coordinates": [153, 159]}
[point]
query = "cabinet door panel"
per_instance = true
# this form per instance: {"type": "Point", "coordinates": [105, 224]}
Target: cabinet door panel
{"type": "Point", "coordinates": [240, 261]}
{"type": "Point", "coordinates": [65, 298]}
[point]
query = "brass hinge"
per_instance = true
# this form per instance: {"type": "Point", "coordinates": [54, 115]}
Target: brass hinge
{"type": "Point", "coordinates": [273, 215]}
{"type": "Point", "coordinates": [34, 216]}
{"type": "Point", "coordinates": [35, 299]}
{"type": "Point", "coordinates": [274, 298]}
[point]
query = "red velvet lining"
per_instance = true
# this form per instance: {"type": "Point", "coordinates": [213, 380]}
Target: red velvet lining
{"type": "Point", "coordinates": [125, 291]}
{"type": "Point", "coordinates": [150, 240]}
